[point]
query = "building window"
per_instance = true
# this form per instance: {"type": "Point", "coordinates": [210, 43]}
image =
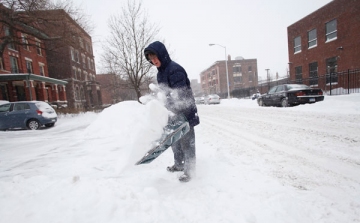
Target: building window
{"type": "Point", "coordinates": [87, 47]}
{"type": "Point", "coordinates": [237, 78]}
{"type": "Point", "coordinates": [313, 73]}
{"type": "Point", "coordinates": [331, 69]}
{"type": "Point", "coordinates": [298, 74]}
{"type": "Point", "coordinates": [7, 31]}
{"type": "Point", "coordinates": [297, 44]}
{"type": "Point", "coordinates": [89, 63]}
{"type": "Point", "coordinates": [77, 93]}
{"type": "Point", "coordinates": [81, 42]}
{"type": "Point", "coordinates": [38, 47]}
{"type": "Point", "coordinates": [85, 76]}
{"type": "Point", "coordinates": [29, 67]}
{"type": "Point", "coordinates": [83, 61]}
{"type": "Point", "coordinates": [82, 93]}
{"type": "Point", "coordinates": [74, 73]}
{"type": "Point", "coordinates": [312, 38]}
{"type": "Point", "coordinates": [42, 69]}
{"type": "Point", "coordinates": [14, 65]}
{"type": "Point", "coordinates": [79, 74]}
{"type": "Point", "coordinates": [331, 30]}
{"type": "Point", "coordinates": [249, 68]}
{"type": "Point", "coordinates": [24, 41]}
{"type": "Point", "coordinates": [72, 54]}
{"type": "Point", "coordinates": [237, 68]}
{"type": "Point", "coordinates": [77, 59]}
{"type": "Point", "coordinates": [92, 65]}
{"type": "Point", "coordinates": [251, 78]}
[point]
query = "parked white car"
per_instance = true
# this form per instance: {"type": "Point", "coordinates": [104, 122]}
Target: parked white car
{"type": "Point", "coordinates": [212, 99]}
{"type": "Point", "coordinates": [199, 100]}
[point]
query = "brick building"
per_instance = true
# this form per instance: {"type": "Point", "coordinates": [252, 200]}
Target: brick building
{"type": "Point", "coordinates": [71, 58]}
{"type": "Point", "coordinates": [114, 89]}
{"type": "Point", "coordinates": [242, 74]}
{"type": "Point", "coordinates": [23, 66]}
{"type": "Point", "coordinates": [325, 42]}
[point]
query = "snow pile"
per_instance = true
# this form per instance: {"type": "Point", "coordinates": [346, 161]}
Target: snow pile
{"type": "Point", "coordinates": [136, 126]}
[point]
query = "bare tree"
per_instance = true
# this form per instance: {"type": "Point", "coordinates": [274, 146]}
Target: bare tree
{"type": "Point", "coordinates": [31, 16]}
{"type": "Point", "coordinates": [131, 32]}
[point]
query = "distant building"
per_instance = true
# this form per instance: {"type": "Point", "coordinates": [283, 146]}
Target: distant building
{"type": "Point", "coordinates": [70, 57]}
{"type": "Point", "coordinates": [114, 89]}
{"type": "Point", "coordinates": [23, 64]}
{"type": "Point", "coordinates": [325, 42]}
{"type": "Point", "coordinates": [242, 74]}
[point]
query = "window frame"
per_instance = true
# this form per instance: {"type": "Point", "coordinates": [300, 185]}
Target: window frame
{"type": "Point", "coordinates": [312, 41]}
{"type": "Point", "coordinates": [25, 42]}
{"type": "Point", "coordinates": [329, 32]}
{"type": "Point", "coordinates": [27, 63]}
{"type": "Point", "coordinates": [77, 57]}
{"type": "Point", "coordinates": [42, 69]}
{"type": "Point", "coordinates": [38, 47]}
{"type": "Point", "coordinates": [83, 59]}
{"type": "Point", "coordinates": [11, 45]}
{"type": "Point", "coordinates": [14, 69]}
{"type": "Point", "coordinates": [297, 48]}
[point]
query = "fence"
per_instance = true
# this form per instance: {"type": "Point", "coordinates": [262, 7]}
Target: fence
{"type": "Point", "coordinates": [338, 83]}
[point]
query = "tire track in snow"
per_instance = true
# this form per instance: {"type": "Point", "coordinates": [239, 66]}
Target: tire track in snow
{"type": "Point", "coordinates": [277, 152]}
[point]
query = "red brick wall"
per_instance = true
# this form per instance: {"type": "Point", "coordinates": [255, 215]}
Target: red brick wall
{"type": "Point", "coordinates": [220, 68]}
{"type": "Point", "coordinates": [347, 13]}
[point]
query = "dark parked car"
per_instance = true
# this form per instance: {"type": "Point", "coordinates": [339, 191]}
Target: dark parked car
{"type": "Point", "coordinates": [26, 114]}
{"type": "Point", "coordinates": [290, 94]}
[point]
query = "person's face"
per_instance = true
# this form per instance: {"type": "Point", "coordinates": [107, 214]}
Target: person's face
{"type": "Point", "coordinates": [154, 60]}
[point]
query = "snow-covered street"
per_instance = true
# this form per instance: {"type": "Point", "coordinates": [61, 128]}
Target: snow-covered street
{"type": "Point", "coordinates": [254, 165]}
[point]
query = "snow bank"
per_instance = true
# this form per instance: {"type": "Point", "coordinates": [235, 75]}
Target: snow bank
{"type": "Point", "coordinates": [139, 125]}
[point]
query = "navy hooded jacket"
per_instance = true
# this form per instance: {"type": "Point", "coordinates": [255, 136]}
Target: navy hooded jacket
{"type": "Point", "coordinates": [172, 78]}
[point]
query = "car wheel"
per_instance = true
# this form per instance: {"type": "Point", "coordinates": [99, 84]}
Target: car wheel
{"type": "Point", "coordinates": [50, 125]}
{"type": "Point", "coordinates": [284, 103]}
{"type": "Point", "coordinates": [33, 124]}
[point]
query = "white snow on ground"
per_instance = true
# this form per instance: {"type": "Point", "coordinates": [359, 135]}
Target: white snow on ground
{"type": "Point", "coordinates": [254, 165]}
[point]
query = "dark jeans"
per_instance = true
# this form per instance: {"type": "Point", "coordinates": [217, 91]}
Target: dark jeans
{"type": "Point", "coordinates": [184, 152]}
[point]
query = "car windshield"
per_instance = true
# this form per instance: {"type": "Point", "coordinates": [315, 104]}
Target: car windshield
{"type": "Point", "coordinates": [296, 86]}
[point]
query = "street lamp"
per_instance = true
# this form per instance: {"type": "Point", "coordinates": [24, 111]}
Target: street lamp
{"type": "Point", "coordinates": [227, 74]}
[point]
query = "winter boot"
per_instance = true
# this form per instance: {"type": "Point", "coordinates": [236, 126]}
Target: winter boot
{"type": "Point", "coordinates": [185, 178]}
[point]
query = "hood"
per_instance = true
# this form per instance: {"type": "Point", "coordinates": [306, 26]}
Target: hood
{"type": "Point", "coordinates": [160, 51]}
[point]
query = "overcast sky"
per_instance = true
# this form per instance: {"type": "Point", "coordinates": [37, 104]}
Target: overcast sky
{"type": "Point", "coordinates": [253, 29]}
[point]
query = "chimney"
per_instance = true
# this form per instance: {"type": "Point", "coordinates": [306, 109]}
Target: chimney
{"type": "Point", "coordinates": [229, 57]}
